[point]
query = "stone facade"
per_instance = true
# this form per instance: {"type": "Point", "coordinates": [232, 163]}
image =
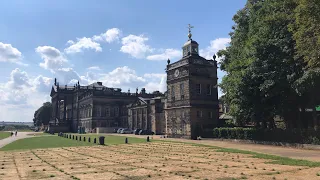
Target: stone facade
{"type": "Point", "coordinates": [189, 107]}
{"type": "Point", "coordinates": [192, 95]}
{"type": "Point", "coordinates": [147, 113]}
{"type": "Point", "coordinates": [91, 106]}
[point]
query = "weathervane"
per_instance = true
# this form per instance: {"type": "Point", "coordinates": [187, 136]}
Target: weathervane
{"type": "Point", "coordinates": [189, 27]}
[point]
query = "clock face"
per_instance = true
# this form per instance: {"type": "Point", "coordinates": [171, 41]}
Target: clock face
{"type": "Point", "coordinates": [176, 73]}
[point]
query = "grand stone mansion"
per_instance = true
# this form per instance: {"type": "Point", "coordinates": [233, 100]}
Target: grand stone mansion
{"type": "Point", "coordinates": [189, 106]}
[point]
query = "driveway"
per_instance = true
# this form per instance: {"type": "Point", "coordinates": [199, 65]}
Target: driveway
{"type": "Point", "coordinates": [20, 135]}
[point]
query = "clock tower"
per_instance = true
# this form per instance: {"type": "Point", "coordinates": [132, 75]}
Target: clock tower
{"type": "Point", "coordinates": [192, 95]}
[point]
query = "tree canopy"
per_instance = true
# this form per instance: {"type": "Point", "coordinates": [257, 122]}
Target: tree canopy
{"type": "Point", "coordinates": [271, 71]}
{"type": "Point", "coordinates": [42, 116]}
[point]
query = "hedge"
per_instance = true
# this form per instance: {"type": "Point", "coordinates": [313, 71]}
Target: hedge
{"type": "Point", "coordinates": [305, 136]}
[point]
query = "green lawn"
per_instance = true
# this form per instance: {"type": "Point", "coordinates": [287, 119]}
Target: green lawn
{"type": "Point", "coordinates": [40, 134]}
{"type": "Point", "coordinates": [43, 142]}
{"type": "Point", "coordinates": [111, 139]}
{"type": "Point", "coordinates": [4, 135]}
{"type": "Point", "coordinates": [276, 159]}
{"type": "Point", "coordinates": [56, 141]}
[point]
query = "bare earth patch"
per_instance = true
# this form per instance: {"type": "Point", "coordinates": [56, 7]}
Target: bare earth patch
{"type": "Point", "coordinates": [157, 160]}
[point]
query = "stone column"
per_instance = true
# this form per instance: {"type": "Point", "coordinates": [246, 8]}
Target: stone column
{"type": "Point", "coordinates": [64, 108]}
{"type": "Point", "coordinates": [57, 106]}
{"type": "Point", "coordinates": [72, 109]}
{"type": "Point", "coordinates": [136, 118]}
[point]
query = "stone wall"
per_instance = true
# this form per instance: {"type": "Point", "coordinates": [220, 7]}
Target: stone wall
{"type": "Point", "coordinates": [104, 130]}
{"type": "Point", "coordinates": [178, 122]}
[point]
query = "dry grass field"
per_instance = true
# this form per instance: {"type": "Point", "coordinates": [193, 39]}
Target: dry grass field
{"type": "Point", "coordinates": [156, 160]}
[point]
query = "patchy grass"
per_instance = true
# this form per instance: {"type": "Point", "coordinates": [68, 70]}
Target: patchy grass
{"type": "Point", "coordinates": [276, 159]}
{"type": "Point", "coordinates": [43, 142]}
{"type": "Point", "coordinates": [156, 160]}
{"type": "Point", "coordinates": [4, 135]}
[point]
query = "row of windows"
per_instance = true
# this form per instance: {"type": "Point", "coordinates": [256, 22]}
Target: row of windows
{"type": "Point", "coordinates": [199, 90]}
{"type": "Point", "coordinates": [109, 112]}
{"type": "Point", "coordinates": [209, 88]}
{"type": "Point", "coordinates": [85, 113]}
{"type": "Point", "coordinates": [199, 114]}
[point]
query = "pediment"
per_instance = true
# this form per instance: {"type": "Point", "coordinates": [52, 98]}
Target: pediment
{"type": "Point", "coordinates": [138, 102]}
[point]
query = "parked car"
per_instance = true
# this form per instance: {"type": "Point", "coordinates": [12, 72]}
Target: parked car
{"type": "Point", "coordinates": [136, 131]}
{"type": "Point", "coordinates": [126, 131]}
{"type": "Point", "coordinates": [119, 130]}
{"type": "Point", "coordinates": [115, 130]}
{"type": "Point", "coordinates": [146, 132]}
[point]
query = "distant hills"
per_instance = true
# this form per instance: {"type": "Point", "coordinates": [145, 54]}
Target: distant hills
{"type": "Point", "coordinates": [4, 123]}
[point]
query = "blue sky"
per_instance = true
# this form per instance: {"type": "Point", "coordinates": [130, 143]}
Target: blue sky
{"type": "Point", "coordinates": [123, 43]}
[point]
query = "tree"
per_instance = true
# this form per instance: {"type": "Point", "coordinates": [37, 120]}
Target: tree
{"type": "Point", "coordinates": [261, 65]}
{"type": "Point", "coordinates": [43, 114]}
{"type": "Point", "coordinates": [306, 32]}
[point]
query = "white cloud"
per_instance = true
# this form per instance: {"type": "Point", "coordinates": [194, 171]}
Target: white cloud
{"type": "Point", "coordinates": [22, 95]}
{"type": "Point", "coordinates": [122, 77]}
{"type": "Point", "coordinates": [66, 76]}
{"type": "Point", "coordinates": [70, 42]}
{"type": "Point", "coordinates": [158, 82]}
{"type": "Point", "coordinates": [154, 75]}
{"type": "Point", "coordinates": [109, 36]}
{"type": "Point", "coordinates": [8, 53]}
{"type": "Point", "coordinates": [18, 79]}
{"type": "Point", "coordinates": [167, 53]}
{"type": "Point", "coordinates": [135, 46]}
{"type": "Point", "coordinates": [93, 43]}
{"type": "Point", "coordinates": [42, 84]}
{"type": "Point", "coordinates": [81, 44]}
{"type": "Point", "coordinates": [215, 46]}
{"type": "Point", "coordinates": [94, 68]}
{"type": "Point", "coordinates": [127, 78]}
{"type": "Point", "coordinates": [53, 58]}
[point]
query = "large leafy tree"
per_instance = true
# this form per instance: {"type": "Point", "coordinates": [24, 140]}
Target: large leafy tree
{"type": "Point", "coordinates": [260, 64]}
{"type": "Point", "coordinates": [306, 32]}
{"type": "Point", "coordinates": [43, 114]}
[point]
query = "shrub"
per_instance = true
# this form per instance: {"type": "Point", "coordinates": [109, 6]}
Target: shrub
{"type": "Point", "coordinates": [307, 136]}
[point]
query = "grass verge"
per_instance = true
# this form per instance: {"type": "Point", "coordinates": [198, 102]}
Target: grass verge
{"type": "Point", "coordinates": [43, 142]}
{"type": "Point", "coordinates": [4, 135]}
{"type": "Point", "coordinates": [40, 134]}
{"type": "Point", "coordinates": [112, 139]}
{"type": "Point", "coordinates": [276, 159]}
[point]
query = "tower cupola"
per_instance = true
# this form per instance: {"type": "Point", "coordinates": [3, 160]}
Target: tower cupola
{"type": "Point", "coordinates": [191, 46]}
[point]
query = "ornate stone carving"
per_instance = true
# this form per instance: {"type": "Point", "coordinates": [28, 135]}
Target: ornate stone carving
{"type": "Point", "coordinates": [178, 64]}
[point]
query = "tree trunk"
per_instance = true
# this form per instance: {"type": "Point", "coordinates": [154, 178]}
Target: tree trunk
{"type": "Point", "coordinates": [287, 120]}
{"type": "Point", "coordinates": [314, 112]}
{"type": "Point", "coordinates": [264, 124]}
{"type": "Point", "coordinates": [272, 125]}
{"type": "Point", "coordinates": [315, 119]}
{"type": "Point", "coordinates": [303, 119]}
